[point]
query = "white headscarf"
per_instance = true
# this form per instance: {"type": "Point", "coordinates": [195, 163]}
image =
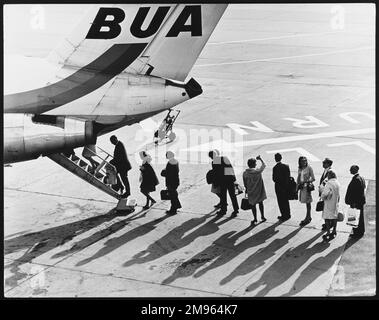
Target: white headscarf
{"type": "Point", "coordinates": [145, 157]}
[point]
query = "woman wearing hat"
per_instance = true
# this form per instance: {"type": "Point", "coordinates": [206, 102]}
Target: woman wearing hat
{"type": "Point", "coordinates": [148, 178]}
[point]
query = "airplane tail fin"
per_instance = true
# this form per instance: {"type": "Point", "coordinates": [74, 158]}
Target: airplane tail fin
{"type": "Point", "coordinates": [162, 40]}
{"type": "Point", "coordinates": [180, 40]}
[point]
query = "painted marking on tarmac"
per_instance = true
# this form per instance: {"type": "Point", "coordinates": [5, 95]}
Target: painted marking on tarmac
{"type": "Point", "coordinates": [297, 35]}
{"type": "Point", "coordinates": [205, 146]}
{"type": "Point", "coordinates": [283, 58]}
{"type": "Point", "coordinates": [346, 115]}
{"type": "Point", "coordinates": [301, 151]}
{"type": "Point", "coordinates": [361, 144]}
{"type": "Point", "coordinates": [305, 137]}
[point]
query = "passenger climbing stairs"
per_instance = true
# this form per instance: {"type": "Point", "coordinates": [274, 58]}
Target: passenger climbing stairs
{"type": "Point", "coordinates": [83, 169]}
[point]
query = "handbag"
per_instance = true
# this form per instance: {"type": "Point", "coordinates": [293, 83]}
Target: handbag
{"type": "Point", "coordinates": [320, 205]}
{"type": "Point", "coordinates": [210, 176]}
{"type": "Point", "coordinates": [340, 217]}
{"type": "Point", "coordinates": [245, 204]}
{"type": "Point", "coordinates": [238, 189]}
{"type": "Point", "coordinates": [310, 187]}
{"type": "Point", "coordinates": [165, 194]}
{"type": "Point", "coordinates": [292, 190]}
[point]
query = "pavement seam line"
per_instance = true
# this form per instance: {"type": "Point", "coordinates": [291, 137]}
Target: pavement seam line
{"type": "Point", "coordinates": [55, 195]}
{"type": "Point", "coordinates": [125, 278]}
{"type": "Point", "coordinates": [32, 276]}
{"type": "Point", "coordinates": [288, 57]}
{"type": "Point", "coordinates": [39, 179]}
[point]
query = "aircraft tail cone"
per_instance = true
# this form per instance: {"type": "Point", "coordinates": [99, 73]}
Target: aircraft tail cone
{"type": "Point", "coordinates": [193, 88]}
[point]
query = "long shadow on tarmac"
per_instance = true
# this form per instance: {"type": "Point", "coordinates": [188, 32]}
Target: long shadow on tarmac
{"type": "Point", "coordinates": [38, 243]}
{"type": "Point", "coordinates": [287, 264]}
{"type": "Point", "coordinates": [175, 239]}
{"type": "Point", "coordinates": [313, 271]}
{"type": "Point", "coordinates": [217, 250]}
{"type": "Point", "coordinates": [114, 243]}
{"type": "Point", "coordinates": [258, 258]}
{"type": "Point", "coordinates": [77, 246]}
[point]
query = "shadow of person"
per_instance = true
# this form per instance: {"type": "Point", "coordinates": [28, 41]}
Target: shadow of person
{"type": "Point", "coordinates": [175, 239]}
{"type": "Point", "coordinates": [315, 269]}
{"type": "Point", "coordinates": [41, 242]}
{"type": "Point", "coordinates": [190, 266]}
{"type": "Point", "coordinates": [236, 249]}
{"type": "Point", "coordinates": [258, 258]}
{"type": "Point", "coordinates": [114, 243]}
{"type": "Point", "coordinates": [222, 250]}
{"type": "Point", "coordinates": [103, 233]}
{"type": "Point", "coordinates": [287, 264]}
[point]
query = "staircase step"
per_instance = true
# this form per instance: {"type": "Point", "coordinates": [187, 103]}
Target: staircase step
{"type": "Point", "coordinates": [99, 175]}
{"type": "Point", "coordinates": [73, 164]}
{"type": "Point", "coordinates": [91, 170]}
{"type": "Point", "coordinates": [83, 164]}
{"type": "Point", "coordinates": [75, 158]}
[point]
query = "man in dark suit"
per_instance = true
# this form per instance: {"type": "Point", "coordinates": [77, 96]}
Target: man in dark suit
{"type": "Point", "coordinates": [225, 178]}
{"type": "Point", "coordinates": [327, 165]}
{"type": "Point", "coordinates": [355, 198]}
{"type": "Point", "coordinates": [121, 162]}
{"type": "Point", "coordinates": [281, 177]}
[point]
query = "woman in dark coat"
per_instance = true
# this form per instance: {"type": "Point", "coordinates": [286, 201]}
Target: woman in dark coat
{"type": "Point", "coordinates": [148, 179]}
{"type": "Point", "coordinates": [171, 174]}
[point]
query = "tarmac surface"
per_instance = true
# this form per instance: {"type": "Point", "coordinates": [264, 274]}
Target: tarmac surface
{"type": "Point", "coordinates": [267, 68]}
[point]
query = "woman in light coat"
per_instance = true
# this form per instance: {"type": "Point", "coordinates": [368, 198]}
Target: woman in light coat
{"type": "Point", "coordinates": [330, 193]}
{"type": "Point", "coordinates": [305, 178]}
{"type": "Point", "coordinates": [255, 188]}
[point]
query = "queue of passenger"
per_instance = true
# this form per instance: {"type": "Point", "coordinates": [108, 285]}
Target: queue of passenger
{"type": "Point", "coordinates": [222, 179]}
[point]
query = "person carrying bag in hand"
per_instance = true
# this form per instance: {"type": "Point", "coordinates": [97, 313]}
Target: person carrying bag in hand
{"type": "Point", "coordinates": [255, 189]}
{"type": "Point", "coordinates": [171, 174]}
{"type": "Point", "coordinates": [330, 194]}
{"type": "Point", "coordinates": [305, 186]}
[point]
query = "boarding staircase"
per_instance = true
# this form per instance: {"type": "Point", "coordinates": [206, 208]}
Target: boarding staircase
{"type": "Point", "coordinates": [81, 168]}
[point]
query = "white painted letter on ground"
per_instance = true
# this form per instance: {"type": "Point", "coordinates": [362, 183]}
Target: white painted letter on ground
{"type": "Point", "coordinates": [311, 122]}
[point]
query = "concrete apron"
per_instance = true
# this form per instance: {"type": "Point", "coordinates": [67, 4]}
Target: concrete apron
{"type": "Point", "coordinates": [195, 253]}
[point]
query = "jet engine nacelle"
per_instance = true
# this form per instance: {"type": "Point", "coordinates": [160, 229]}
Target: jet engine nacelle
{"type": "Point", "coordinates": [27, 137]}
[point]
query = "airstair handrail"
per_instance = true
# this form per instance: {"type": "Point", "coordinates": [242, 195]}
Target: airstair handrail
{"type": "Point", "coordinates": [105, 152]}
{"type": "Point", "coordinates": [104, 160]}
